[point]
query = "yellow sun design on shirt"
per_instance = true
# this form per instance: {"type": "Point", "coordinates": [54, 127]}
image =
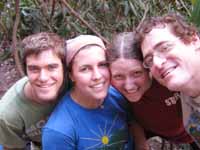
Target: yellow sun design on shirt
{"type": "Point", "coordinates": [103, 136]}
{"type": "Point", "coordinates": [105, 140]}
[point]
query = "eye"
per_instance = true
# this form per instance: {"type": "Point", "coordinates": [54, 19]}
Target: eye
{"type": "Point", "coordinates": [33, 69]}
{"type": "Point", "coordinates": [138, 73]}
{"type": "Point", "coordinates": [103, 64]}
{"type": "Point", "coordinates": [52, 67]}
{"type": "Point", "coordinates": [118, 77]}
{"type": "Point", "coordinates": [84, 69]}
{"type": "Point", "coordinates": [165, 47]}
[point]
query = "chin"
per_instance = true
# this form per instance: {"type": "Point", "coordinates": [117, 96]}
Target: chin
{"type": "Point", "coordinates": [101, 96]}
{"type": "Point", "coordinates": [175, 86]}
{"type": "Point", "coordinates": [134, 99]}
{"type": "Point", "coordinates": [48, 98]}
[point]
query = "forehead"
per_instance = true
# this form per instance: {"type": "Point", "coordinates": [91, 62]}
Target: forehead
{"type": "Point", "coordinates": [125, 65]}
{"type": "Point", "coordinates": [46, 56]}
{"type": "Point", "coordinates": [90, 54]}
{"type": "Point", "coordinates": [156, 36]}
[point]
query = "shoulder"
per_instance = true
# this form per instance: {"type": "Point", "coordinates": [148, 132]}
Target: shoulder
{"type": "Point", "coordinates": [52, 139]}
{"type": "Point", "coordinates": [9, 104]}
{"type": "Point", "coordinates": [113, 92]}
{"type": "Point", "coordinates": [15, 90]}
{"type": "Point", "coordinates": [61, 119]}
{"type": "Point", "coordinates": [116, 98]}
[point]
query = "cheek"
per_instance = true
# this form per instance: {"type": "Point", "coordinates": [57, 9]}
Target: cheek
{"type": "Point", "coordinates": [81, 80]}
{"type": "Point", "coordinates": [154, 73]}
{"type": "Point", "coordinates": [143, 82]}
{"type": "Point", "coordinates": [32, 76]}
{"type": "Point", "coordinates": [117, 84]}
{"type": "Point", "coordinates": [60, 78]}
{"type": "Point", "coordinates": [106, 73]}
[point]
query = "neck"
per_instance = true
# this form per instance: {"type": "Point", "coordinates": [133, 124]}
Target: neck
{"type": "Point", "coordinates": [192, 88]}
{"type": "Point", "coordinates": [84, 100]}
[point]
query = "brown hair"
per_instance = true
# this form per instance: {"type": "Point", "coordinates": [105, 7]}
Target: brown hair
{"type": "Point", "coordinates": [177, 24]}
{"type": "Point", "coordinates": [75, 45]}
{"type": "Point", "coordinates": [36, 43]}
{"type": "Point", "coordinates": [124, 45]}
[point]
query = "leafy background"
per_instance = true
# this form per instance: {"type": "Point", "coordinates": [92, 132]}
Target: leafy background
{"type": "Point", "coordinates": [68, 18]}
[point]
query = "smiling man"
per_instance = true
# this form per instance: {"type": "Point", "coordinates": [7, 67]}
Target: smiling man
{"type": "Point", "coordinates": [171, 50]}
{"type": "Point", "coordinates": [26, 106]}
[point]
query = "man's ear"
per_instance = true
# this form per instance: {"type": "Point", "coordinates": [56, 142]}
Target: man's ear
{"type": "Point", "coordinates": [196, 41]}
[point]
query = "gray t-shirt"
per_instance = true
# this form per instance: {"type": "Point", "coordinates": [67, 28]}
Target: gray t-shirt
{"type": "Point", "coordinates": [20, 119]}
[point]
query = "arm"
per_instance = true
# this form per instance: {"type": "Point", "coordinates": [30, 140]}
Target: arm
{"type": "Point", "coordinates": [137, 132]}
{"type": "Point", "coordinates": [53, 140]}
{"type": "Point", "coordinates": [11, 137]}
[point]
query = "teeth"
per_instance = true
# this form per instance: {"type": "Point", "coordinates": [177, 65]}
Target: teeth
{"type": "Point", "coordinates": [132, 91]}
{"type": "Point", "coordinates": [45, 86]}
{"type": "Point", "coordinates": [98, 85]}
{"type": "Point", "coordinates": [167, 72]}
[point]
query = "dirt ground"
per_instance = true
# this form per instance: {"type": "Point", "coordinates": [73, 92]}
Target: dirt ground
{"type": "Point", "coordinates": [9, 75]}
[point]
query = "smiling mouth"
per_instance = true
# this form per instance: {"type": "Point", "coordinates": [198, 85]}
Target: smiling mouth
{"type": "Point", "coordinates": [132, 91]}
{"type": "Point", "coordinates": [167, 72]}
{"type": "Point", "coordinates": [98, 86]}
{"type": "Point", "coordinates": [45, 86]}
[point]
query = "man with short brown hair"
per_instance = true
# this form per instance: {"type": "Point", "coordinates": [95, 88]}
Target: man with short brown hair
{"type": "Point", "coordinates": [25, 107]}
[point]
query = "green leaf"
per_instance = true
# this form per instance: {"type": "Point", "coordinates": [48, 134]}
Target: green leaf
{"type": "Point", "coordinates": [193, 2]}
{"type": "Point", "coordinates": [195, 15]}
{"type": "Point", "coordinates": [1, 6]}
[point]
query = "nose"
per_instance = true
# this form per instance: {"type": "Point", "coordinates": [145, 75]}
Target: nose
{"type": "Point", "coordinates": [96, 74]}
{"type": "Point", "coordinates": [130, 84]}
{"type": "Point", "coordinates": [43, 76]}
{"type": "Point", "coordinates": [158, 61]}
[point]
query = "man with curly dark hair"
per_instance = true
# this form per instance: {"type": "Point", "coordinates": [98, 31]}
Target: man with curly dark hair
{"type": "Point", "coordinates": [171, 51]}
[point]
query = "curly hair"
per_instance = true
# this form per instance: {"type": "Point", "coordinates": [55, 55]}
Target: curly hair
{"type": "Point", "coordinates": [36, 43]}
{"type": "Point", "coordinates": [179, 27]}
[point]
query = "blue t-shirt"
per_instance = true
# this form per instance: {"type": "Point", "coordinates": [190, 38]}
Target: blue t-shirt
{"type": "Point", "coordinates": [73, 127]}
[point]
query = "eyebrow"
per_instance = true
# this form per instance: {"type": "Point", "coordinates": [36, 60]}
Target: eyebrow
{"type": "Point", "coordinates": [156, 47]}
{"type": "Point", "coordinates": [159, 44]}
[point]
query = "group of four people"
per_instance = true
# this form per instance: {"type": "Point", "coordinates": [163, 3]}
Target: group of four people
{"type": "Point", "coordinates": [113, 100]}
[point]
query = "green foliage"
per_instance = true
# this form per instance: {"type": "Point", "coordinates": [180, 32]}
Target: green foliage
{"type": "Point", "coordinates": [195, 15]}
{"type": "Point", "coordinates": [105, 16]}
{"type": "Point", "coordinates": [110, 16]}
{"type": "Point", "coordinates": [6, 19]}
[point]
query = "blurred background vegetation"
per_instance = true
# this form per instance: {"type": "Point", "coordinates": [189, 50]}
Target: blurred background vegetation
{"type": "Point", "coordinates": [68, 18]}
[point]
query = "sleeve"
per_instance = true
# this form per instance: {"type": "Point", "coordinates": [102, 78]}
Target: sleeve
{"type": "Point", "coordinates": [53, 140]}
{"type": "Point", "coordinates": [11, 136]}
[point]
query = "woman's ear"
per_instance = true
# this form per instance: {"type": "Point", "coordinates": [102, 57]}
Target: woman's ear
{"type": "Point", "coordinates": [71, 76]}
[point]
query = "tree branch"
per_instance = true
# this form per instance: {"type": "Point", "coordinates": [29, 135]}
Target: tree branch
{"type": "Point", "coordinates": [74, 13]}
{"type": "Point", "coordinates": [14, 39]}
{"type": "Point", "coordinates": [53, 9]}
{"type": "Point", "coordinates": [143, 18]}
